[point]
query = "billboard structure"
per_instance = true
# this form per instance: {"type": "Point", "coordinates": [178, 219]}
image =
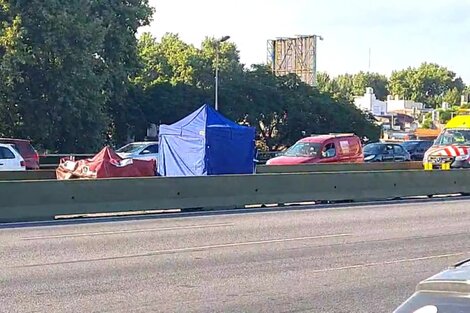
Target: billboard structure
{"type": "Point", "coordinates": [296, 55]}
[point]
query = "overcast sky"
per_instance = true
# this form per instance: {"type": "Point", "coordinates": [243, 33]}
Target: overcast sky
{"type": "Point", "coordinates": [400, 33]}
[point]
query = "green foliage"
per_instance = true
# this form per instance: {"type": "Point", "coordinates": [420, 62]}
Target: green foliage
{"type": "Point", "coordinates": [348, 86]}
{"type": "Point", "coordinates": [64, 68]}
{"type": "Point", "coordinates": [427, 124]}
{"type": "Point", "coordinates": [445, 115]}
{"type": "Point", "coordinates": [428, 84]}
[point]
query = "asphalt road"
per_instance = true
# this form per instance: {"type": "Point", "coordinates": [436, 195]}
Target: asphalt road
{"type": "Point", "coordinates": [353, 259]}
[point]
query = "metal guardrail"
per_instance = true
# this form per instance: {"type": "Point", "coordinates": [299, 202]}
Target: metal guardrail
{"type": "Point", "coordinates": [47, 199]}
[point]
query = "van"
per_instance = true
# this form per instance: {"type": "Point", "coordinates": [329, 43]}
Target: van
{"type": "Point", "coordinates": [452, 146]}
{"type": "Point", "coordinates": [331, 148]}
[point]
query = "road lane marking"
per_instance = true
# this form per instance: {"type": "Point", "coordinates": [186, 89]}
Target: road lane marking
{"type": "Point", "coordinates": [189, 249]}
{"type": "Point", "coordinates": [365, 265]}
{"type": "Point", "coordinates": [129, 231]}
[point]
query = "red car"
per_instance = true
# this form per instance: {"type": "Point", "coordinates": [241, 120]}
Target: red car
{"type": "Point", "coordinates": [26, 150]}
{"type": "Point", "coordinates": [332, 148]}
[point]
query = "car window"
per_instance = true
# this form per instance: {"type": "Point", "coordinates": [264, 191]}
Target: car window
{"type": "Point", "coordinates": [131, 148]}
{"type": "Point", "coordinates": [152, 149]}
{"type": "Point", "coordinates": [374, 148]}
{"type": "Point", "coordinates": [411, 145]}
{"type": "Point", "coordinates": [25, 148]}
{"type": "Point", "coordinates": [398, 149]}
{"type": "Point", "coordinates": [5, 153]}
{"type": "Point", "coordinates": [329, 150]}
{"type": "Point", "coordinates": [425, 145]}
{"type": "Point", "coordinates": [304, 149]}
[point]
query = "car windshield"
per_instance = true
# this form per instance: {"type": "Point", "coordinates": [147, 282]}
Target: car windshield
{"type": "Point", "coordinates": [131, 148]}
{"type": "Point", "coordinates": [454, 137]}
{"type": "Point", "coordinates": [373, 149]}
{"type": "Point", "coordinates": [304, 149]}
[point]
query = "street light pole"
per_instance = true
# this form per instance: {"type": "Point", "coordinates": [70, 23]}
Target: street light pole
{"type": "Point", "coordinates": [217, 48]}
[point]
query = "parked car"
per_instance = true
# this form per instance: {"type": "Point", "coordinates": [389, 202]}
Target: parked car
{"type": "Point", "coordinates": [10, 159]}
{"type": "Point", "coordinates": [332, 148]}
{"type": "Point", "coordinates": [26, 150]}
{"type": "Point", "coordinates": [385, 152]}
{"type": "Point", "coordinates": [417, 148]}
{"type": "Point", "coordinates": [146, 150]}
{"type": "Point", "coordinates": [447, 292]}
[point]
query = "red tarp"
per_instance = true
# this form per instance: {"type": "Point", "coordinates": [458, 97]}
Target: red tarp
{"type": "Point", "coordinates": [105, 164]}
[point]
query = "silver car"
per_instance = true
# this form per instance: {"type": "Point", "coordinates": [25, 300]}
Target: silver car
{"type": "Point", "coordinates": [446, 292]}
{"type": "Point", "coordinates": [145, 150]}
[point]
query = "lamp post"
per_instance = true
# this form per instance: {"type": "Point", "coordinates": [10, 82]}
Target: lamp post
{"type": "Point", "coordinates": [217, 48]}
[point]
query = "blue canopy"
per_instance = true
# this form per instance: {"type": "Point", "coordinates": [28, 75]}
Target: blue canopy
{"type": "Point", "coordinates": [205, 143]}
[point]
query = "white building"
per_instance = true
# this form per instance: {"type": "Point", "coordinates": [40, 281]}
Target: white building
{"type": "Point", "coordinates": [403, 106]}
{"type": "Point", "coordinates": [369, 102]}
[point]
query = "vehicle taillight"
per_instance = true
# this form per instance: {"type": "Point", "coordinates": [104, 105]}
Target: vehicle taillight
{"type": "Point", "coordinates": [22, 164]}
{"type": "Point", "coordinates": [36, 156]}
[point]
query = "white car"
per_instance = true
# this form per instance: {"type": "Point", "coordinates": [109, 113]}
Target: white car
{"type": "Point", "coordinates": [145, 150]}
{"type": "Point", "coordinates": [10, 159]}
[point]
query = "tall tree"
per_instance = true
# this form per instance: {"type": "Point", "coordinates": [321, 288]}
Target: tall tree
{"type": "Point", "coordinates": [121, 20]}
{"type": "Point", "coordinates": [48, 57]}
{"type": "Point", "coordinates": [349, 86]}
{"type": "Point", "coordinates": [427, 83]}
{"type": "Point", "coordinates": [64, 67]}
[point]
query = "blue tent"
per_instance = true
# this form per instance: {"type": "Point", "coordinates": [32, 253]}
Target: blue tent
{"type": "Point", "coordinates": [205, 143]}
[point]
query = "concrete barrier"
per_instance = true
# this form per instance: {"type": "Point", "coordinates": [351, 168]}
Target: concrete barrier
{"type": "Point", "coordinates": [27, 175]}
{"type": "Point", "coordinates": [262, 169]}
{"type": "Point", "coordinates": [46, 199]}
{"type": "Point", "coordinates": [339, 167]}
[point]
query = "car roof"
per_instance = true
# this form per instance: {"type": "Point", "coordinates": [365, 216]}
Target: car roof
{"type": "Point", "coordinates": [454, 279]}
{"type": "Point", "coordinates": [6, 145]}
{"type": "Point", "coordinates": [384, 143]}
{"type": "Point", "coordinates": [143, 142]}
{"type": "Point", "coordinates": [14, 139]}
{"type": "Point", "coordinates": [322, 138]}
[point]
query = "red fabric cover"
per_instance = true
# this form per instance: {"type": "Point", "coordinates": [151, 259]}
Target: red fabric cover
{"type": "Point", "coordinates": [105, 164]}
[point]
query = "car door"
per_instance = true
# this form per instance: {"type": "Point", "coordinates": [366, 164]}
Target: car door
{"type": "Point", "coordinates": [399, 154]}
{"type": "Point", "coordinates": [387, 154]}
{"type": "Point", "coordinates": [8, 160]}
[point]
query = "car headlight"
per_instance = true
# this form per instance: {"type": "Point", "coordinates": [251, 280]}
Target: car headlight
{"type": "Point", "coordinates": [370, 157]}
{"type": "Point", "coordinates": [462, 157]}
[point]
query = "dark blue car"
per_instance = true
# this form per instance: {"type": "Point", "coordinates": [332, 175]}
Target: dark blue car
{"type": "Point", "coordinates": [417, 148]}
{"type": "Point", "coordinates": [385, 152]}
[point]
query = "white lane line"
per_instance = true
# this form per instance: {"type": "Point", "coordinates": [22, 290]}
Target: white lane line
{"type": "Point", "coordinates": [189, 249]}
{"type": "Point", "coordinates": [365, 265]}
{"type": "Point", "coordinates": [142, 230]}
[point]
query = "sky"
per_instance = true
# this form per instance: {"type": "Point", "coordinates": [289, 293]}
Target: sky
{"type": "Point", "coordinates": [399, 33]}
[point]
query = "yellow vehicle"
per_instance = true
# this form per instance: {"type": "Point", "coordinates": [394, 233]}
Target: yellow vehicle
{"type": "Point", "coordinates": [452, 146]}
